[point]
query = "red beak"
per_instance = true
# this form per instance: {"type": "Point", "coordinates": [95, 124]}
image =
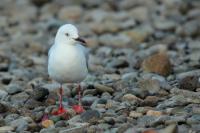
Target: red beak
{"type": "Point", "coordinates": [81, 40]}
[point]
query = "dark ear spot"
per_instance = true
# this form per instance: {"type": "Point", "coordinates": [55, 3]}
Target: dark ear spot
{"type": "Point", "coordinates": [67, 34]}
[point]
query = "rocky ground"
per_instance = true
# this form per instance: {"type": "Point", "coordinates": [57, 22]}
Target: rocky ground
{"type": "Point", "coordinates": [144, 66]}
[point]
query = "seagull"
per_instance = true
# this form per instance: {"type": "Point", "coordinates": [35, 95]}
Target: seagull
{"type": "Point", "coordinates": [68, 62]}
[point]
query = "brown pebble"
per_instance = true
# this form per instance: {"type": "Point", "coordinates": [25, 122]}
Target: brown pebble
{"type": "Point", "coordinates": [158, 63]}
{"type": "Point", "coordinates": [47, 123]}
{"type": "Point", "coordinates": [154, 113]}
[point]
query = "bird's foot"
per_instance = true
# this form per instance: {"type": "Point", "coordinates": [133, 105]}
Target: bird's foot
{"type": "Point", "coordinates": [60, 111]}
{"type": "Point", "coordinates": [78, 109]}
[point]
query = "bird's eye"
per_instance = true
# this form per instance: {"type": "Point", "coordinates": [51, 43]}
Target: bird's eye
{"type": "Point", "coordinates": [67, 34]}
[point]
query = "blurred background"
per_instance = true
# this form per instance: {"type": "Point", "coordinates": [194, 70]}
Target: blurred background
{"type": "Point", "coordinates": [138, 41]}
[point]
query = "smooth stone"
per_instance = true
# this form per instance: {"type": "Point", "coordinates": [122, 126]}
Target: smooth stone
{"type": "Point", "coordinates": [123, 127]}
{"type": "Point", "coordinates": [5, 129]}
{"type": "Point", "coordinates": [49, 130]}
{"type": "Point", "coordinates": [106, 27]}
{"type": "Point", "coordinates": [102, 88]}
{"type": "Point", "coordinates": [146, 121]}
{"type": "Point", "coordinates": [119, 40]}
{"type": "Point", "coordinates": [65, 13]}
{"type": "Point", "coordinates": [109, 120]}
{"type": "Point", "coordinates": [118, 63]}
{"type": "Point", "coordinates": [154, 113]}
{"type": "Point", "coordinates": [190, 83]}
{"type": "Point", "coordinates": [90, 116]}
{"type": "Point", "coordinates": [183, 128]}
{"type": "Point", "coordinates": [177, 100]}
{"type": "Point", "coordinates": [152, 64]}
{"type": "Point", "coordinates": [188, 73]}
{"type": "Point", "coordinates": [132, 99]}
{"type": "Point", "coordinates": [176, 119]}
{"type": "Point", "coordinates": [196, 127]}
{"type": "Point", "coordinates": [77, 129]}
{"type": "Point", "coordinates": [194, 119]}
{"type": "Point", "coordinates": [60, 124]}
{"type": "Point", "coordinates": [165, 25]}
{"type": "Point", "coordinates": [135, 114]}
{"type": "Point", "coordinates": [31, 104]}
{"type": "Point", "coordinates": [88, 100]}
{"type": "Point", "coordinates": [3, 94]}
{"type": "Point", "coordinates": [139, 34]}
{"type": "Point", "coordinates": [20, 124]}
{"type": "Point", "coordinates": [13, 89]}
{"type": "Point", "coordinates": [19, 98]}
{"type": "Point", "coordinates": [11, 117]}
{"type": "Point", "coordinates": [40, 93]}
{"type": "Point", "coordinates": [151, 101]}
{"type": "Point", "coordinates": [149, 85]}
{"type": "Point", "coordinates": [139, 13]}
{"type": "Point", "coordinates": [104, 126]}
{"type": "Point", "coordinates": [129, 76]}
{"type": "Point", "coordinates": [3, 108]}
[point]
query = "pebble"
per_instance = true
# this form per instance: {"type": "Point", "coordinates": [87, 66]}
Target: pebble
{"type": "Point", "coordinates": [169, 129]}
{"type": "Point", "coordinates": [114, 40]}
{"type": "Point", "coordinates": [152, 64]}
{"type": "Point", "coordinates": [47, 123]}
{"type": "Point", "coordinates": [149, 85]}
{"type": "Point", "coordinates": [49, 130]}
{"type": "Point", "coordinates": [132, 99]}
{"type": "Point", "coordinates": [189, 83]}
{"type": "Point", "coordinates": [40, 93]}
{"type": "Point", "coordinates": [154, 113]}
{"type": "Point", "coordinates": [106, 27]}
{"type": "Point", "coordinates": [3, 108]}
{"type": "Point", "coordinates": [139, 34]}
{"type": "Point", "coordinates": [65, 13]}
{"type": "Point", "coordinates": [139, 13]}
{"type": "Point", "coordinates": [20, 124]}
{"type": "Point", "coordinates": [3, 94]}
{"type": "Point", "coordinates": [135, 114]}
{"type": "Point", "coordinates": [102, 88]}
{"type": "Point", "coordinates": [118, 64]}
{"type": "Point", "coordinates": [5, 129]}
{"type": "Point", "coordinates": [13, 89]}
{"type": "Point", "coordinates": [150, 131]}
{"type": "Point", "coordinates": [90, 116]}
{"type": "Point", "coordinates": [88, 100]}
{"type": "Point", "coordinates": [151, 101]}
{"type": "Point", "coordinates": [165, 25]}
{"type": "Point", "coordinates": [19, 98]}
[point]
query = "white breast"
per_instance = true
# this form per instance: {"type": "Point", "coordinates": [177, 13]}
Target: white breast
{"type": "Point", "coordinates": [67, 64]}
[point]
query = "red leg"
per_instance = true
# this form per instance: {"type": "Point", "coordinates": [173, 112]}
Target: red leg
{"type": "Point", "coordinates": [78, 108]}
{"type": "Point", "coordinates": [45, 117]}
{"type": "Point", "coordinates": [61, 109]}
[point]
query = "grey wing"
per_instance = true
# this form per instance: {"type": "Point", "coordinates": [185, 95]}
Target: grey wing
{"type": "Point", "coordinates": [86, 53]}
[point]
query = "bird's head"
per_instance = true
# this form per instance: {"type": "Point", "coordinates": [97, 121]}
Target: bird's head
{"type": "Point", "coordinates": [68, 34]}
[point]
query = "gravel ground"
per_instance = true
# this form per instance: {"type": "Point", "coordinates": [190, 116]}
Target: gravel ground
{"type": "Point", "coordinates": [144, 66]}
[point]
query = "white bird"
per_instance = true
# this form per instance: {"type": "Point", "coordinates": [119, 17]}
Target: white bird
{"type": "Point", "coordinates": [67, 61]}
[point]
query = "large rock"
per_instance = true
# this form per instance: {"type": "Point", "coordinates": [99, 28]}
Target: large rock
{"type": "Point", "coordinates": [158, 63]}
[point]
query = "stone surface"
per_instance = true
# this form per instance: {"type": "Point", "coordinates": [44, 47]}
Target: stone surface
{"type": "Point", "coordinates": [157, 63]}
{"type": "Point", "coordinates": [143, 66]}
{"type": "Point", "coordinates": [90, 116]}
